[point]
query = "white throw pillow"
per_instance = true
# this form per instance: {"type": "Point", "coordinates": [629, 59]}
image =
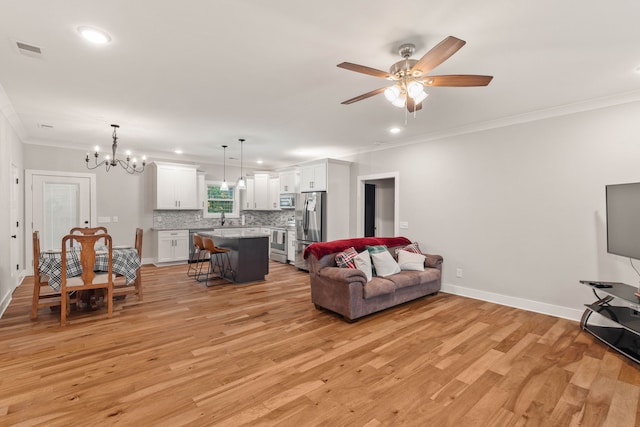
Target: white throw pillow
{"type": "Point", "coordinates": [410, 261]}
{"type": "Point", "coordinates": [385, 264]}
{"type": "Point", "coordinates": [363, 263]}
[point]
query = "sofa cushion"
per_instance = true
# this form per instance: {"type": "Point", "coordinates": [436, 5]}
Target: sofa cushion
{"type": "Point", "coordinates": [410, 278]}
{"type": "Point", "coordinates": [410, 260]}
{"type": "Point", "coordinates": [345, 259]}
{"type": "Point", "coordinates": [384, 264]}
{"type": "Point", "coordinates": [363, 263]}
{"type": "Point", "coordinates": [409, 248]}
{"type": "Point", "coordinates": [375, 249]}
{"type": "Point", "coordinates": [378, 286]}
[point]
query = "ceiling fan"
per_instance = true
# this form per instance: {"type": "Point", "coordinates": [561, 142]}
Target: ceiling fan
{"type": "Point", "coordinates": [411, 76]}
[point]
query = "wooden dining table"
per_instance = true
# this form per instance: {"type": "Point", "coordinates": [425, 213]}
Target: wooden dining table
{"type": "Point", "coordinates": [125, 262]}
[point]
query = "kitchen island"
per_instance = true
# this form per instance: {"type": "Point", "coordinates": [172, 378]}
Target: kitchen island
{"type": "Point", "coordinates": [249, 256]}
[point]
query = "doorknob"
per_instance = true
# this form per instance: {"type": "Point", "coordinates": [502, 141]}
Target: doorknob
{"type": "Point", "coordinates": [14, 236]}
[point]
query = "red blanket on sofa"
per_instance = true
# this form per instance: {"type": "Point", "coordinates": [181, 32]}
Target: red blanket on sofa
{"type": "Point", "coordinates": [324, 248]}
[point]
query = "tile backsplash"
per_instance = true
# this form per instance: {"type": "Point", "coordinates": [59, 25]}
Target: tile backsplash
{"type": "Point", "coordinates": [192, 219]}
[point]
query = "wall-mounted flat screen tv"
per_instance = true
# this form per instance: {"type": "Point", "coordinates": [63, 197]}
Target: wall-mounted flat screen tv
{"type": "Point", "coordinates": [623, 220]}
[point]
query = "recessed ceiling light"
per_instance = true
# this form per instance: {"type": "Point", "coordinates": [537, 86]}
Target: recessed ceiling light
{"type": "Point", "coordinates": [94, 35]}
{"type": "Point", "coordinates": [259, 162]}
{"type": "Point", "coordinates": [177, 151]}
{"type": "Point", "coordinates": [395, 130]}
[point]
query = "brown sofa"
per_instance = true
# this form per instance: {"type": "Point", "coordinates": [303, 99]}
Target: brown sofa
{"type": "Point", "coordinates": [345, 291]}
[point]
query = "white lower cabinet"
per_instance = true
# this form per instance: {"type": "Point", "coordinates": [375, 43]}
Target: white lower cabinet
{"type": "Point", "coordinates": [173, 245]}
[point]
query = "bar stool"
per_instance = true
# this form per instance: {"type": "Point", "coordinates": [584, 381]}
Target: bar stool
{"type": "Point", "coordinates": [198, 257]}
{"type": "Point", "coordinates": [219, 259]}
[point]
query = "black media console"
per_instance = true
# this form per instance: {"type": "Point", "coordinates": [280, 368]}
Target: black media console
{"type": "Point", "coordinates": [624, 335]}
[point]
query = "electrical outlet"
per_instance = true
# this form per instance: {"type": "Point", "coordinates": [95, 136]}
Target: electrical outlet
{"type": "Point", "coordinates": [404, 224]}
{"type": "Point", "coordinates": [104, 219]}
{"type": "Point", "coordinates": [458, 272]}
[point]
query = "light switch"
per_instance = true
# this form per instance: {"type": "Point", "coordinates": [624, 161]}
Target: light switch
{"type": "Point", "coordinates": [404, 224]}
{"type": "Point", "coordinates": [114, 219]}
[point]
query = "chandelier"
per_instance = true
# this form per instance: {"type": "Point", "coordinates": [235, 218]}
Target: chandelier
{"type": "Point", "coordinates": [130, 165]}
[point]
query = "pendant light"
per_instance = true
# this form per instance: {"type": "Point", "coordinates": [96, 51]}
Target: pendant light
{"type": "Point", "coordinates": [225, 186]}
{"type": "Point", "coordinates": [241, 182]}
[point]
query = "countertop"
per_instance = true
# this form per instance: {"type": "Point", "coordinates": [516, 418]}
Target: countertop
{"type": "Point", "coordinates": [226, 227]}
{"type": "Point", "coordinates": [234, 234]}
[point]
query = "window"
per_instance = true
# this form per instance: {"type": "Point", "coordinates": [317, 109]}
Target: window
{"type": "Point", "coordinates": [219, 201]}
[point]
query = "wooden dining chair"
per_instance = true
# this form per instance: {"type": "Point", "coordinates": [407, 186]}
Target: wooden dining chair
{"type": "Point", "coordinates": [43, 294]}
{"type": "Point", "coordinates": [89, 279]}
{"type": "Point", "coordinates": [120, 287]}
{"type": "Point", "coordinates": [88, 230]}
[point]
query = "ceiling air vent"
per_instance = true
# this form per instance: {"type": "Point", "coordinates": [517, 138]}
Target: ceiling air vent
{"type": "Point", "coordinates": [29, 50]}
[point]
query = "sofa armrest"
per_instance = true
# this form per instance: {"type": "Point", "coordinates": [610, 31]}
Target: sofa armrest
{"type": "Point", "coordinates": [345, 275]}
{"type": "Point", "coordinates": [433, 261]}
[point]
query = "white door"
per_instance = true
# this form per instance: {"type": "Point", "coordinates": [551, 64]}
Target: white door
{"type": "Point", "coordinates": [15, 222]}
{"type": "Point", "coordinates": [58, 202]}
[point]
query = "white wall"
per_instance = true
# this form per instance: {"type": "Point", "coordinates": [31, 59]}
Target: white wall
{"type": "Point", "coordinates": [10, 153]}
{"type": "Point", "coordinates": [520, 209]}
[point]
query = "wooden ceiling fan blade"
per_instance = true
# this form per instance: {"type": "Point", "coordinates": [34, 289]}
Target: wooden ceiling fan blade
{"type": "Point", "coordinates": [457, 80]}
{"type": "Point", "coordinates": [365, 70]}
{"type": "Point", "coordinates": [436, 56]}
{"type": "Point", "coordinates": [412, 106]}
{"type": "Point", "coordinates": [364, 96]}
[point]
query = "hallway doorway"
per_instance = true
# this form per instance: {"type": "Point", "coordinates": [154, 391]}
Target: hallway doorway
{"type": "Point", "coordinates": [377, 205]}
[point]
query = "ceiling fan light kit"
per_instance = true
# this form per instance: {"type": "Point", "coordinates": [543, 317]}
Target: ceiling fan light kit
{"type": "Point", "coordinates": [411, 77]}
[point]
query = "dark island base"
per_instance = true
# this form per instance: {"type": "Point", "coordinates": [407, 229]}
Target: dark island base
{"type": "Point", "coordinates": [249, 256]}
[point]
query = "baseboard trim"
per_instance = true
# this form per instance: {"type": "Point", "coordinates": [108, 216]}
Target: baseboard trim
{"type": "Point", "coordinates": [5, 303]}
{"type": "Point", "coordinates": [522, 303]}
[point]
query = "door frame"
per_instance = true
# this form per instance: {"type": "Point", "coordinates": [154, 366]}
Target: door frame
{"type": "Point", "coordinates": [361, 180]}
{"type": "Point", "coordinates": [28, 215]}
{"type": "Point", "coordinates": [16, 224]}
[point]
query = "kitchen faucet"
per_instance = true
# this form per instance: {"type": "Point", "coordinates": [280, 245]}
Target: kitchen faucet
{"type": "Point", "coordinates": [222, 219]}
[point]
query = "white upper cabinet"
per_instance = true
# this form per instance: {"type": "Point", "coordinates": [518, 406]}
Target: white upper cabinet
{"type": "Point", "coordinates": [274, 194]}
{"type": "Point", "coordinates": [202, 193]}
{"type": "Point", "coordinates": [262, 193]}
{"type": "Point", "coordinates": [313, 177]}
{"type": "Point", "coordinates": [289, 182]}
{"type": "Point", "coordinates": [249, 194]}
{"type": "Point", "coordinates": [176, 186]}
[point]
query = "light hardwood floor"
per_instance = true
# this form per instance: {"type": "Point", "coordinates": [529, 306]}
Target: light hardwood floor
{"type": "Point", "coordinates": [261, 354]}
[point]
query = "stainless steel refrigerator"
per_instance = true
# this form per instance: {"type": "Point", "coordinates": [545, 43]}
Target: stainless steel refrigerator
{"type": "Point", "coordinates": [311, 224]}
